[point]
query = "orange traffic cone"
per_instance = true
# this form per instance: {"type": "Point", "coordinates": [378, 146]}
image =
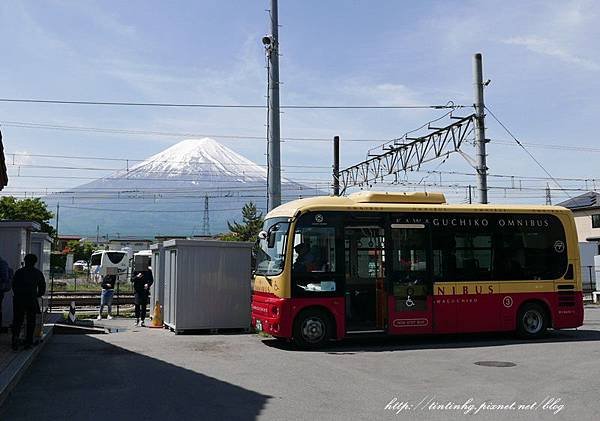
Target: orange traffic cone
{"type": "Point", "coordinates": [157, 319]}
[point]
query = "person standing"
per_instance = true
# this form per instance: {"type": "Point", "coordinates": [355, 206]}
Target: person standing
{"type": "Point", "coordinates": [6, 275]}
{"type": "Point", "coordinates": [108, 291]}
{"type": "Point", "coordinates": [28, 285]}
{"type": "Point", "coordinates": [142, 281]}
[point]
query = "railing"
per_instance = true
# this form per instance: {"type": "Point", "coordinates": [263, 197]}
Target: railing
{"type": "Point", "coordinates": [588, 279]}
{"type": "Point", "coordinates": [87, 291]}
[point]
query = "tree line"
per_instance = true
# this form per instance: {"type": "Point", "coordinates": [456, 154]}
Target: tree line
{"type": "Point", "coordinates": [36, 210]}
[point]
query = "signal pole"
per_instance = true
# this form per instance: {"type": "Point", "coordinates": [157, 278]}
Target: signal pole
{"type": "Point", "coordinates": [336, 165]}
{"type": "Point", "coordinates": [480, 128]}
{"type": "Point", "coordinates": [205, 219]}
{"type": "Point", "coordinates": [274, 154]}
{"type": "Point", "coordinates": [57, 212]}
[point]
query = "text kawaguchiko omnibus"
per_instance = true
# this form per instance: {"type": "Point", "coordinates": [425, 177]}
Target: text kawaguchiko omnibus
{"type": "Point", "coordinates": [395, 263]}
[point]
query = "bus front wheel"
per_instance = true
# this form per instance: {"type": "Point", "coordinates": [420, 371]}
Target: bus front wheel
{"type": "Point", "coordinates": [312, 329]}
{"type": "Point", "coordinates": [532, 321]}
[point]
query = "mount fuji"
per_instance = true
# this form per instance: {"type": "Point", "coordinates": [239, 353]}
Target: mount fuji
{"type": "Point", "coordinates": [167, 194]}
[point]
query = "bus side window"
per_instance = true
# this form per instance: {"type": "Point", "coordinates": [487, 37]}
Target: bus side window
{"type": "Point", "coordinates": [314, 250]}
{"type": "Point", "coordinates": [314, 259]}
{"type": "Point", "coordinates": [410, 255]}
{"type": "Point", "coordinates": [444, 256]}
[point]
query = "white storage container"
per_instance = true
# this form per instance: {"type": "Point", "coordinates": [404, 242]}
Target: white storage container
{"type": "Point", "coordinates": [207, 284]}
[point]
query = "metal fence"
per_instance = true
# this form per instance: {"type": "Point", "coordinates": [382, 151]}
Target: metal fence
{"type": "Point", "coordinates": [588, 279]}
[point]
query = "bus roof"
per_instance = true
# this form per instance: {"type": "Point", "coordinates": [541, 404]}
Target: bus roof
{"type": "Point", "coordinates": [378, 201]}
{"type": "Point", "coordinates": [108, 251]}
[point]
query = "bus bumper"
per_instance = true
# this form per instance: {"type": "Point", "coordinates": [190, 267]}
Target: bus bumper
{"type": "Point", "coordinates": [270, 315]}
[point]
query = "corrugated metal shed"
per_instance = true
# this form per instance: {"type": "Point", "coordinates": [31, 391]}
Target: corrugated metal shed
{"type": "Point", "coordinates": [207, 284]}
{"type": "Point", "coordinates": [157, 291]}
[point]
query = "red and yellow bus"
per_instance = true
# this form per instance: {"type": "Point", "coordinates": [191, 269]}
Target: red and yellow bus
{"type": "Point", "coordinates": [409, 263]}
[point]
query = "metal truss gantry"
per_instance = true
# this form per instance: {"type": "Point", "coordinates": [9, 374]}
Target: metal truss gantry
{"type": "Point", "coordinates": [408, 156]}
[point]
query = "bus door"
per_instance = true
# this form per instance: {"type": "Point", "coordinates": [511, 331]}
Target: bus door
{"type": "Point", "coordinates": [411, 301]}
{"type": "Point", "coordinates": [366, 309]}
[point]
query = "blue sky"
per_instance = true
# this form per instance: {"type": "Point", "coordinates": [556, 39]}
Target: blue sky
{"type": "Point", "coordinates": [542, 57]}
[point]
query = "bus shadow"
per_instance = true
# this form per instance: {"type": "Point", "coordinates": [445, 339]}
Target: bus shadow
{"type": "Point", "coordinates": [349, 346]}
{"type": "Point", "coordinates": [81, 377]}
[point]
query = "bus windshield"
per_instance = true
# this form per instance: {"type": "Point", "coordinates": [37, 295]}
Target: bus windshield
{"type": "Point", "coordinates": [270, 255]}
{"type": "Point", "coordinates": [116, 256]}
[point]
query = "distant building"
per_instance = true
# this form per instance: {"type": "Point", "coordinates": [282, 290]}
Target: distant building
{"type": "Point", "coordinates": [62, 240]}
{"type": "Point", "coordinates": [135, 244]}
{"type": "Point", "coordinates": [586, 210]}
{"type": "Point", "coordinates": [161, 238]}
{"type": "Point", "coordinates": [3, 173]}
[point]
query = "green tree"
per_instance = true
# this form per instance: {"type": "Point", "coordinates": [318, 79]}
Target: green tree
{"type": "Point", "coordinates": [27, 210]}
{"type": "Point", "coordinates": [82, 250]}
{"type": "Point", "coordinates": [252, 222]}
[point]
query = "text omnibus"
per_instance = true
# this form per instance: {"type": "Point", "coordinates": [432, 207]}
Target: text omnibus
{"type": "Point", "coordinates": [408, 263]}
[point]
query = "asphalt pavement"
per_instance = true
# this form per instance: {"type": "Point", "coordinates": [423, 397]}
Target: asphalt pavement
{"type": "Point", "coordinates": [152, 374]}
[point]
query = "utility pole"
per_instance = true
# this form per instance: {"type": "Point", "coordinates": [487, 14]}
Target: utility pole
{"type": "Point", "coordinates": [480, 128]}
{"type": "Point", "coordinates": [470, 198]}
{"type": "Point", "coordinates": [548, 195]}
{"type": "Point", "coordinates": [336, 165]}
{"type": "Point", "coordinates": [97, 234]}
{"type": "Point", "coordinates": [205, 219]}
{"type": "Point", "coordinates": [274, 154]}
{"type": "Point", "coordinates": [57, 213]}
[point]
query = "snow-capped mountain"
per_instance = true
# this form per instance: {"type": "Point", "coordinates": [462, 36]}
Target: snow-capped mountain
{"type": "Point", "coordinates": [166, 194]}
{"type": "Point", "coordinates": [198, 157]}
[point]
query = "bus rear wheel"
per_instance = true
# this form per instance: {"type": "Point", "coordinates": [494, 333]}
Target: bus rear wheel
{"type": "Point", "coordinates": [532, 321]}
{"type": "Point", "coordinates": [312, 329]}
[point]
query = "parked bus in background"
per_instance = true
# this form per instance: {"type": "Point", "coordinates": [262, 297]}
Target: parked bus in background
{"type": "Point", "coordinates": [101, 260]}
{"type": "Point", "coordinates": [408, 263]}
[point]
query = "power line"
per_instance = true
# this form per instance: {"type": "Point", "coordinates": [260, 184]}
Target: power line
{"type": "Point", "coordinates": [132, 160]}
{"type": "Point", "coordinates": [297, 181]}
{"type": "Point", "coordinates": [50, 126]}
{"type": "Point", "coordinates": [524, 148]}
{"type": "Point", "coordinates": [132, 172]}
{"type": "Point", "coordinates": [195, 105]}
{"type": "Point", "coordinates": [151, 211]}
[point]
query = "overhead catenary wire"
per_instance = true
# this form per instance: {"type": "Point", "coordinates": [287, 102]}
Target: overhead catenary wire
{"type": "Point", "coordinates": [524, 148]}
{"type": "Point", "coordinates": [136, 132]}
{"type": "Point", "coordinates": [198, 105]}
{"type": "Point", "coordinates": [310, 166]}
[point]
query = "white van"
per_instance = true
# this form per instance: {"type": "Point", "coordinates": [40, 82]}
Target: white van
{"type": "Point", "coordinates": [102, 260]}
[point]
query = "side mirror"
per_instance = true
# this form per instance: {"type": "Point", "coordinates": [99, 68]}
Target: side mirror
{"type": "Point", "coordinates": [271, 241]}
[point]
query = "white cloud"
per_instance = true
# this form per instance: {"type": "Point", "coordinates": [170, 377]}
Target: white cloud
{"type": "Point", "coordinates": [380, 93]}
{"type": "Point", "coordinates": [550, 48]}
{"type": "Point", "coordinates": [237, 84]}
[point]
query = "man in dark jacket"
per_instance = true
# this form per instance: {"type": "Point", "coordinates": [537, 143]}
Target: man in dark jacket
{"type": "Point", "coordinates": [28, 285]}
{"type": "Point", "coordinates": [108, 290]}
{"type": "Point", "coordinates": [141, 286]}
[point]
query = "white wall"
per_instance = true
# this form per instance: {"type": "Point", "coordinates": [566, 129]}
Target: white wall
{"type": "Point", "coordinates": [587, 251]}
{"type": "Point", "coordinates": [583, 221]}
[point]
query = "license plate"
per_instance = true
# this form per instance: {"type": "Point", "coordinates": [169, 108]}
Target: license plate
{"type": "Point", "coordinates": [258, 326]}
